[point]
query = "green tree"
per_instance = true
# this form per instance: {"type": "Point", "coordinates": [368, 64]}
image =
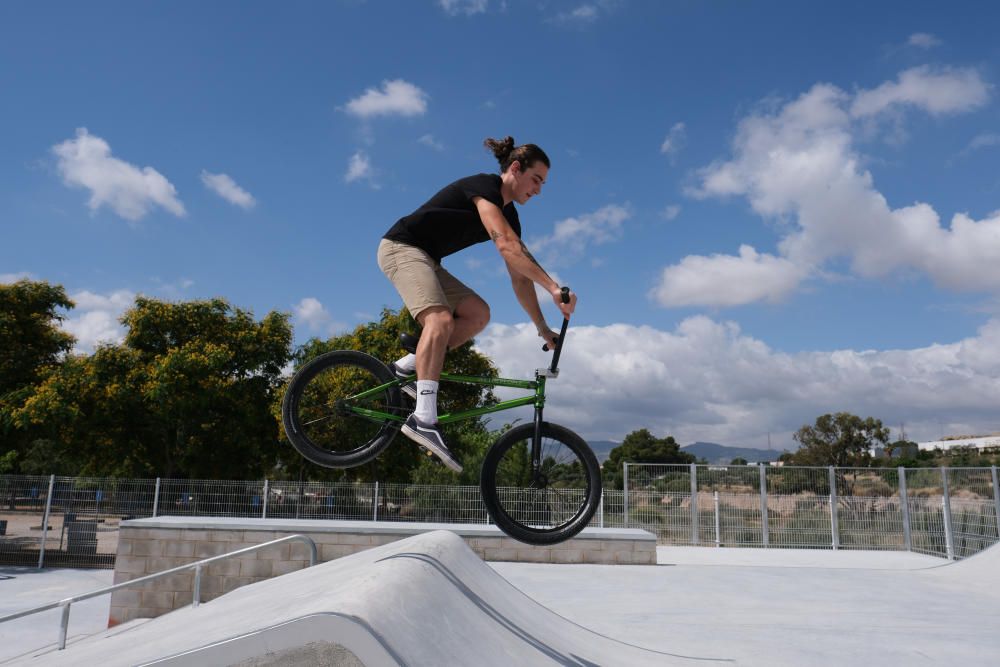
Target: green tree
{"type": "Point", "coordinates": [738, 461]}
{"type": "Point", "coordinates": [403, 462]}
{"type": "Point", "coordinates": [189, 393]}
{"type": "Point", "coordinates": [641, 447]}
{"type": "Point", "coordinates": [842, 439]}
{"type": "Point", "coordinates": [31, 346]}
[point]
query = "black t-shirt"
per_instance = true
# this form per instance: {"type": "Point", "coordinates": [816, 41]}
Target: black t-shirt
{"type": "Point", "coordinates": [450, 221]}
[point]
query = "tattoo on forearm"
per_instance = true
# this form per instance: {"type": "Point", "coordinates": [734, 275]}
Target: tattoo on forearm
{"type": "Point", "coordinates": [528, 254]}
{"type": "Point", "coordinates": [496, 236]}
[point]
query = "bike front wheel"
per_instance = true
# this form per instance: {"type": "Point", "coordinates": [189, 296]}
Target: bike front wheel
{"type": "Point", "coordinates": [549, 505]}
{"type": "Point", "coordinates": [337, 409]}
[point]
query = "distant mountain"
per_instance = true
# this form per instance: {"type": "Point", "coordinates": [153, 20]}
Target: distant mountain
{"type": "Point", "coordinates": [602, 449]}
{"type": "Point", "coordinates": [720, 454]}
{"type": "Point", "coordinates": [710, 451]}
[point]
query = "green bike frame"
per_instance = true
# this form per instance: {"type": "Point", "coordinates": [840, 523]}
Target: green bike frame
{"type": "Point", "coordinates": [538, 399]}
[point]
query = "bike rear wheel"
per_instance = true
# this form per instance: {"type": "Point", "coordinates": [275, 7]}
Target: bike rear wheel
{"type": "Point", "coordinates": [549, 506]}
{"type": "Point", "coordinates": [320, 409]}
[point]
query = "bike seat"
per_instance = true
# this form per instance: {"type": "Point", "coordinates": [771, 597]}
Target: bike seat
{"type": "Point", "coordinates": [409, 342]}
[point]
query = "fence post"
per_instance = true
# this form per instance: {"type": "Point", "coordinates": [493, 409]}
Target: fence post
{"type": "Point", "coordinates": [600, 508]}
{"type": "Point", "coordinates": [718, 537]}
{"type": "Point", "coordinates": [156, 497]}
{"type": "Point", "coordinates": [45, 522]}
{"type": "Point", "coordinates": [625, 497]}
{"type": "Point", "coordinates": [64, 623]}
{"type": "Point", "coordinates": [196, 596]}
{"type": "Point", "coordinates": [996, 498]}
{"type": "Point", "coordinates": [764, 528]}
{"type": "Point", "coordinates": [834, 524]}
{"type": "Point", "coordinates": [949, 536]}
{"type": "Point", "coordinates": [375, 503]}
{"type": "Point", "coordinates": [694, 503]}
{"type": "Point", "coordinates": [267, 493]}
{"type": "Point", "coordinates": [904, 504]}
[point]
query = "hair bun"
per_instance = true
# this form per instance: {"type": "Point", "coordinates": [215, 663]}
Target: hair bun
{"type": "Point", "coordinates": [506, 152]}
{"type": "Point", "coordinates": [501, 148]}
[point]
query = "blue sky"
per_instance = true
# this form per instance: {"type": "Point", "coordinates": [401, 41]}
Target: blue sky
{"type": "Point", "coordinates": [769, 210]}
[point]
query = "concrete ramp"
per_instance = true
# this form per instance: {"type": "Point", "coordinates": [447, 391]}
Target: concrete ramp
{"type": "Point", "coordinates": [426, 600]}
{"type": "Point", "coordinates": [979, 571]}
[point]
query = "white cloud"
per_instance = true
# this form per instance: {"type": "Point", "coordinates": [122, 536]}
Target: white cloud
{"type": "Point", "coordinates": [313, 315]}
{"type": "Point", "coordinates": [935, 90]}
{"type": "Point", "coordinates": [585, 14]}
{"type": "Point", "coordinates": [706, 380]}
{"type": "Point", "coordinates": [466, 7]}
{"type": "Point", "coordinates": [130, 191]}
{"type": "Point", "coordinates": [360, 169]}
{"type": "Point", "coordinates": [923, 40]}
{"type": "Point", "coordinates": [582, 14]}
{"type": "Point", "coordinates": [798, 164]}
{"type": "Point", "coordinates": [986, 140]}
{"type": "Point", "coordinates": [397, 98]}
{"type": "Point", "coordinates": [670, 212]}
{"type": "Point", "coordinates": [429, 141]}
{"type": "Point", "coordinates": [674, 140]}
{"type": "Point", "coordinates": [94, 320]}
{"type": "Point", "coordinates": [571, 237]}
{"type": "Point", "coordinates": [725, 280]}
{"type": "Point", "coordinates": [226, 187]}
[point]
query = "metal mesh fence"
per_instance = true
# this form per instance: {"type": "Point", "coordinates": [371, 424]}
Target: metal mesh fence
{"type": "Point", "coordinates": [82, 515]}
{"type": "Point", "coordinates": [436, 504]}
{"type": "Point", "coordinates": [745, 506]}
{"type": "Point", "coordinates": [842, 508]}
{"type": "Point", "coordinates": [22, 507]}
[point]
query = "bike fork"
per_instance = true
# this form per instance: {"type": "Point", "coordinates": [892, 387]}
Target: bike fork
{"type": "Point", "coordinates": [536, 444]}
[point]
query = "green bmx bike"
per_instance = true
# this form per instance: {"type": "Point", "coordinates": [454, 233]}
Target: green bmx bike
{"type": "Point", "coordinates": [540, 482]}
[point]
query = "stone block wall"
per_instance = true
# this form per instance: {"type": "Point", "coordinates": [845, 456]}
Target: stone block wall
{"type": "Point", "coordinates": [149, 546]}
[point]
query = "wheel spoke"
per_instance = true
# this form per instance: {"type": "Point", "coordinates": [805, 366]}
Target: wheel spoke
{"type": "Point", "coordinates": [315, 417]}
{"type": "Point", "coordinates": [557, 498]}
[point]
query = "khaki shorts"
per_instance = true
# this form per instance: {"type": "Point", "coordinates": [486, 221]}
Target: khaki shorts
{"type": "Point", "coordinates": [420, 280]}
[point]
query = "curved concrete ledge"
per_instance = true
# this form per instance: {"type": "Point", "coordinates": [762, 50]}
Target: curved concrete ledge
{"type": "Point", "coordinates": [149, 546]}
{"type": "Point", "coordinates": [425, 600]}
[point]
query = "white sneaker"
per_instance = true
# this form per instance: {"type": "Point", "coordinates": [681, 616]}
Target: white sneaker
{"type": "Point", "coordinates": [408, 388]}
{"type": "Point", "coordinates": [429, 436]}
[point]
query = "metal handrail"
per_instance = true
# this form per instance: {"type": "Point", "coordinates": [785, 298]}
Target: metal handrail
{"type": "Point", "coordinates": [197, 566]}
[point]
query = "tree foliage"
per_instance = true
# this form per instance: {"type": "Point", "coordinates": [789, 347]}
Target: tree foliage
{"type": "Point", "coordinates": [642, 447]}
{"type": "Point", "coordinates": [31, 346]}
{"type": "Point", "coordinates": [841, 439]}
{"type": "Point", "coordinates": [189, 393]}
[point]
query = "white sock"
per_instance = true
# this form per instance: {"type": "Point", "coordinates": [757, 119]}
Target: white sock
{"type": "Point", "coordinates": [427, 406]}
{"type": "Point", "coordinates": [408, 363]}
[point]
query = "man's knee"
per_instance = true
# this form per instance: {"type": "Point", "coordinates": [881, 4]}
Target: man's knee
{"type": "Point", "coordinates": [437, 321]}
{"type": "Point", "coordinates": [476, 311]}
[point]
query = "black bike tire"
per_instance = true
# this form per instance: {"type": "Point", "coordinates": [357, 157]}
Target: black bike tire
{"type": "Point", "coordinates": [510, 525]}
{"type": "Point", "coordinates": [295, 432]}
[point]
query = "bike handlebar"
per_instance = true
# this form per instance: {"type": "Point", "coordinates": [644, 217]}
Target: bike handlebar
{"type": "Point", "coordinates": [562, 333]}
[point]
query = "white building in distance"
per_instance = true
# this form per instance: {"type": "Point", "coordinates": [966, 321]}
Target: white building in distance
{"type": "Point", "coordinates": [983, 443]}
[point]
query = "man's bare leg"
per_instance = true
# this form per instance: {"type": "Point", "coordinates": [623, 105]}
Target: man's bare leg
{"type": "Point", "coordinates": [443, 331]}
{"type": "Point", "coordinates": [438, 327]}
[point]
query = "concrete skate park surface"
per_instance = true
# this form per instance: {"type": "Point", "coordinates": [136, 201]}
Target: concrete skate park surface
{"type": "Point", "coordinates": [429, 600]}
